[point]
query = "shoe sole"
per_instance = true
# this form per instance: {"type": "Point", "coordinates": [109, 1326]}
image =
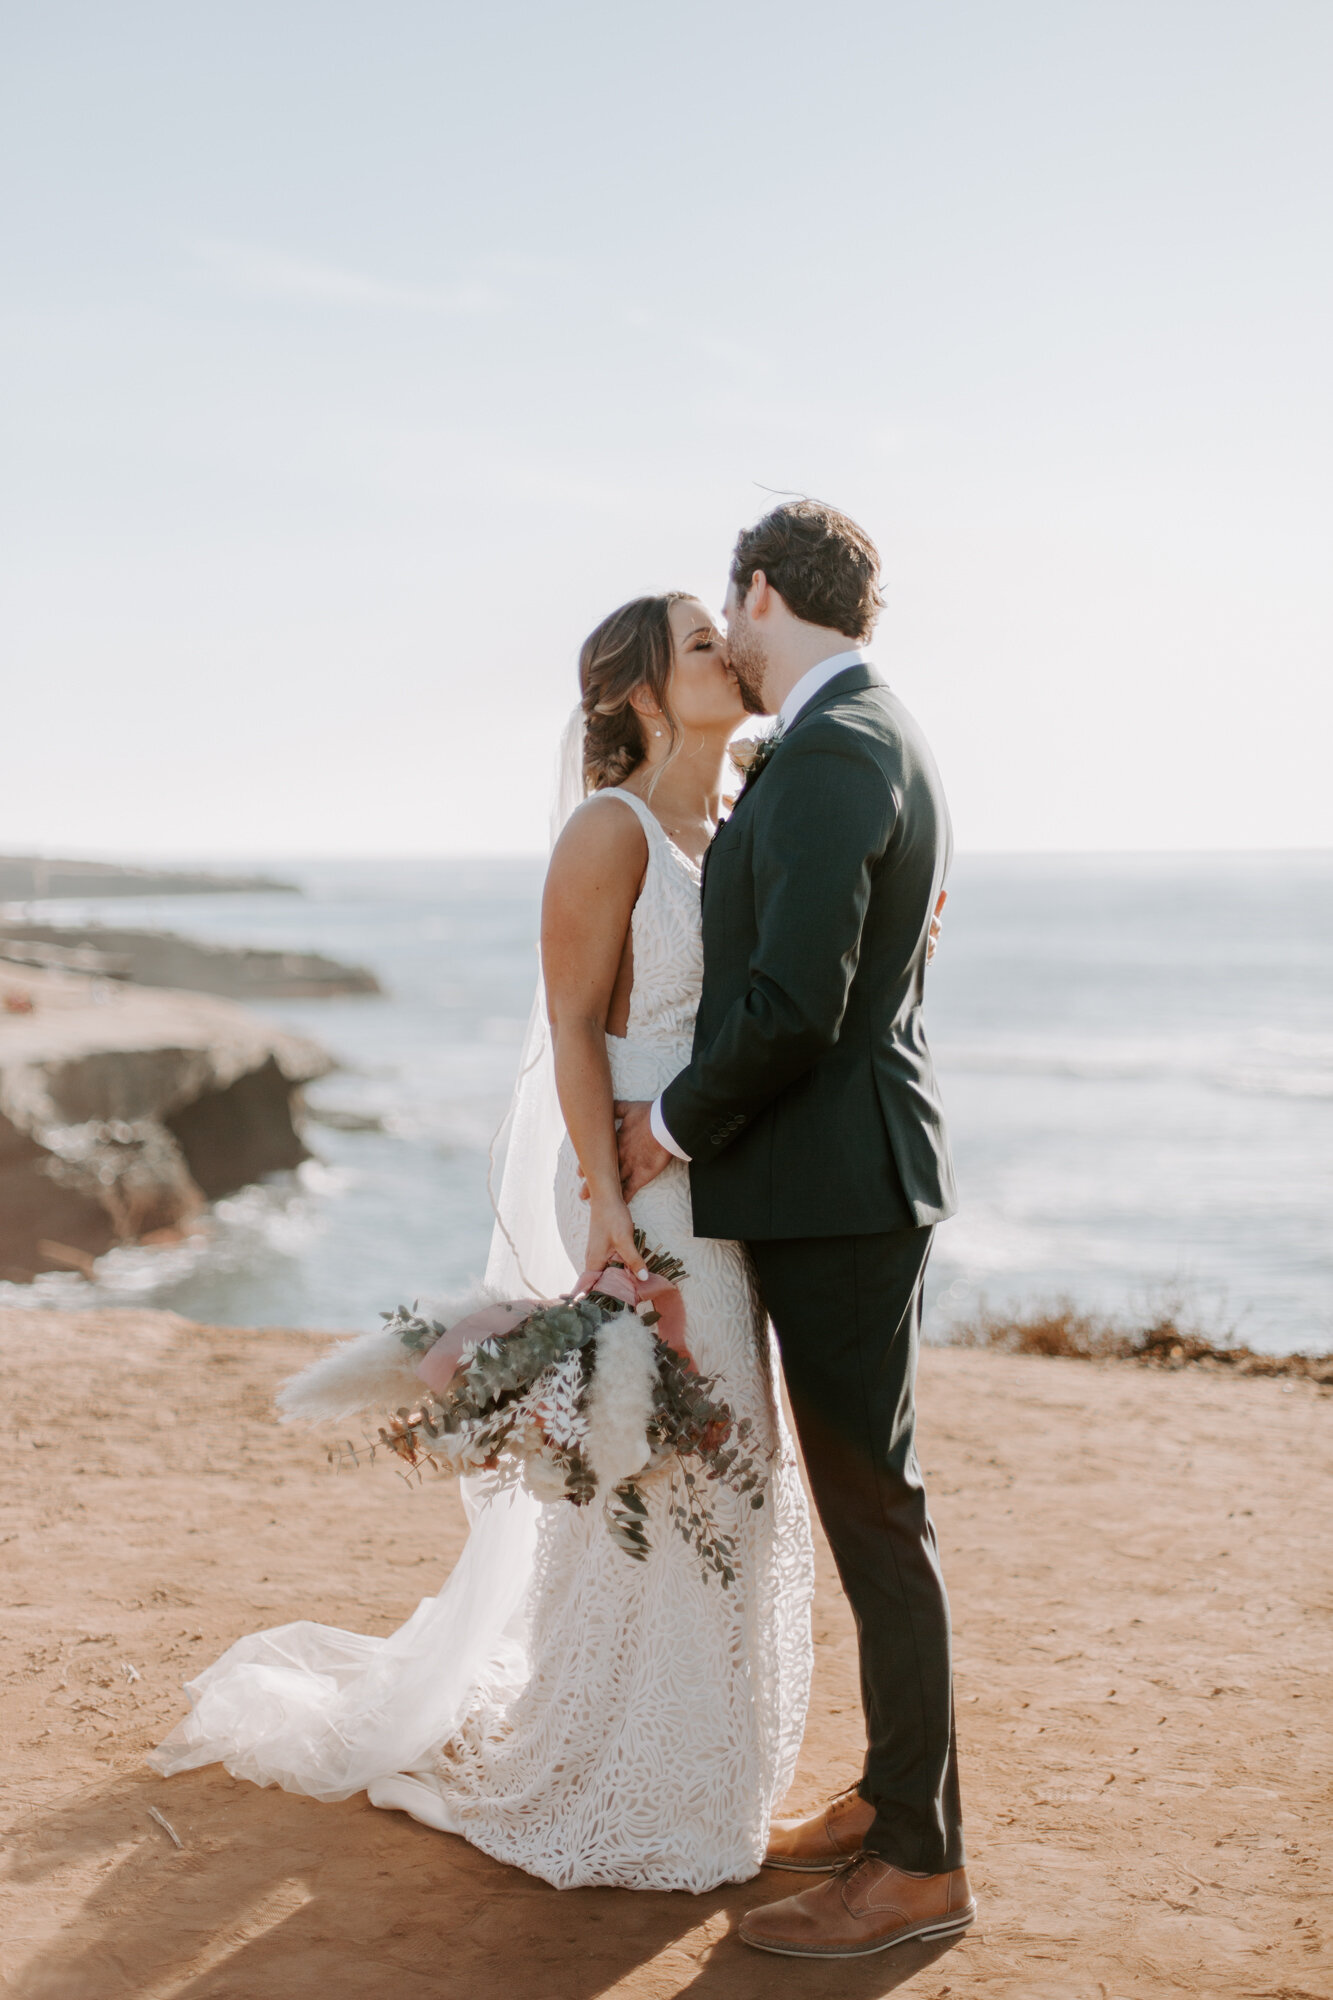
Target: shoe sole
{"type": "Point", "coordinates": [809, 1867]}
{"type": "Point", "coordinates": [953, 1926]}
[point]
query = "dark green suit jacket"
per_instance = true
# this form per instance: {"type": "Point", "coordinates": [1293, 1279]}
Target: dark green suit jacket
{"type": "Point", "coordinates": [810, 1107]}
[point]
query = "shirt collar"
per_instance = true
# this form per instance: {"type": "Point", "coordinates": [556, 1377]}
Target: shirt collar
{"type": "Point", "coordinates": [812, 682]}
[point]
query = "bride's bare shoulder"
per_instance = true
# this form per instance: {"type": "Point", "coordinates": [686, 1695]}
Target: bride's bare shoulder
{"type": "Point", "coordinates": [601, 837]}
{"type": "Point", "coordinates": [603, 843]}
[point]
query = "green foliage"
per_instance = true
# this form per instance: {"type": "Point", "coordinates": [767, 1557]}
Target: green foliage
{"type": "Point", "coordinates": [495, 1400]}
{"type": "Point", "coordinates": [417, 1334]}
{"type": "Point", "coordinates": [626, 1521]}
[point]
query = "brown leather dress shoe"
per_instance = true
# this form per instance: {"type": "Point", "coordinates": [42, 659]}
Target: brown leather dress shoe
{"type": "Point", "coordinates": [868, 1906]}
{"type": "Point", "coordinates": [823, 1842]}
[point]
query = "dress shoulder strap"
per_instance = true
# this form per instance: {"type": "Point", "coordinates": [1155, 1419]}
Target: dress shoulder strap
{"type": "Point", "coordinates": [645, 815]}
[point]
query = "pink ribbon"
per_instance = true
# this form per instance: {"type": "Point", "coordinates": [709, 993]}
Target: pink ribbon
{"type": "Point", "coordinates": [618, 1283]}
{"type": "Point", "coordinates": [439, 1366]}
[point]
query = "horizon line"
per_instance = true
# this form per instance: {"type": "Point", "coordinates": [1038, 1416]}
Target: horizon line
{"type": "Point", "coordinates": [229, 859]}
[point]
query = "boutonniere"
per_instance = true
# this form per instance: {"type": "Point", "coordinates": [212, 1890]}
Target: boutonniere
{"type": "Point", "coordinates": [750, 754]}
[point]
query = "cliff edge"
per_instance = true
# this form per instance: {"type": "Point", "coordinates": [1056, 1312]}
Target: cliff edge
{"type": "Point", "coordinates": [190, 965]}
{"type": "Point", "coordinates": [123, 1110]}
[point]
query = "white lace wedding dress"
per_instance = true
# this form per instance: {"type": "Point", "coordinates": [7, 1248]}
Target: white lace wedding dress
{"type": "Point", "coordinates": [607, 1722]}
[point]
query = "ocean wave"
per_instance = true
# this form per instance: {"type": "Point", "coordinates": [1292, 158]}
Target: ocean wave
{"type": "Point", "coordinates": [1270, 1064]}
{"type": "Point", "coordinates": [278, 1218]}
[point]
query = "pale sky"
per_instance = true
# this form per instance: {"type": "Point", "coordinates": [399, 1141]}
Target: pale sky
{"type": "Point", "coordinates": [359, 357]}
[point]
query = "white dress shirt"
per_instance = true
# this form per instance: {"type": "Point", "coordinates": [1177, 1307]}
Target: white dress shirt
{"type": "Point", "coordinates": [816, 679]}
{"type": "Point", "coordinates": [811, 683]}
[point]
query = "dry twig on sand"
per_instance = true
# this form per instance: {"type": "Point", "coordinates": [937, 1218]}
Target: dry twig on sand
{"type": "Point", "coordinates": [166, 1826]}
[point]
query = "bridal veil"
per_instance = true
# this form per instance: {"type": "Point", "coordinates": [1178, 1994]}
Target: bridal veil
{"type": "Point", "coordinates": [326, 1712]}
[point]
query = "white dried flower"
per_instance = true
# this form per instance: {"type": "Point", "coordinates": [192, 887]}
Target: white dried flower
{"type": "Point", "coordinates": [366, 1371]}
{"type": "Point", "coordinates": [543, 1477]}
{"type": "Point", "coordinates": [620, 1400]}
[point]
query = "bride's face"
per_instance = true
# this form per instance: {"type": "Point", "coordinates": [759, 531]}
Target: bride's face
{"type": "Point", "coordinates": [702, 690]}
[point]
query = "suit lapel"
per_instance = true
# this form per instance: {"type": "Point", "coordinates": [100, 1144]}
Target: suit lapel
{"type": "Point", "coordinates": [703, 870]}
{"type": "Point", "coordinates": [852, 680]}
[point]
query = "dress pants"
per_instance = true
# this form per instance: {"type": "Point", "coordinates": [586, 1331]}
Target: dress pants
{"type": "Point", "coordinates": [847, 1314]}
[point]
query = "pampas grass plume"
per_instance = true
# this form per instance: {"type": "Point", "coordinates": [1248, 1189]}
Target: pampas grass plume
{"type": "Point", "coordinates": [364, 1371]}
{"type": "Point", "coordinates": [620, 1400]}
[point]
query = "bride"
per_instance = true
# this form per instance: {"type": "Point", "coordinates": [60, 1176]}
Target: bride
{"type": "Point", "coordinates": [588, 1718]}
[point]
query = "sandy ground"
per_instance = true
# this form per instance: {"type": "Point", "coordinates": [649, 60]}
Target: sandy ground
{"type": "Point", "coordinates": [1140, 1570]}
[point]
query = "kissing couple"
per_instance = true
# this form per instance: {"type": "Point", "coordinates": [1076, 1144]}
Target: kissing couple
{"type": "Point", "coordinates": [728, 1058]}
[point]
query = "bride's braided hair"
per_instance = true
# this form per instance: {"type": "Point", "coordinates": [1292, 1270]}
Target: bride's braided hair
{"type": "Point", "coordinates": [631, 649]}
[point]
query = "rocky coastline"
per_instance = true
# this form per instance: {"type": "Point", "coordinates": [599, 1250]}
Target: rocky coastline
{"type": "Point", "coordinates": [161, 958]}
{"type": "Point", "coordinates": [125, 1109]}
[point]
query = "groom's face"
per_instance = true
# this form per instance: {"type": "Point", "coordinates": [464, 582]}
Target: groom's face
{"type": "Point", "coordinates": [745, 652]}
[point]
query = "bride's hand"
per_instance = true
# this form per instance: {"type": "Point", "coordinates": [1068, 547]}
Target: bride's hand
{"type": "Point", "coordinates": [611, 1238]}
{"type": "Point", "coordinates": [936, 927]}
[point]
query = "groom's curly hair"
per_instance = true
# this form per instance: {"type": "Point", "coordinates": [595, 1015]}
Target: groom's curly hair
{"type": "Point", "coordinates": [824, 568]}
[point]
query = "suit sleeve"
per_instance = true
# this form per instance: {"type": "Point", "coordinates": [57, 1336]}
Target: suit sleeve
{"type": "Point", "coordinates": [824, 814]}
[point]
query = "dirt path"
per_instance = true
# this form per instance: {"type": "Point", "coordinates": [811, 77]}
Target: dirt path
{"type": "Point", "coordinates": [1141, 1574]}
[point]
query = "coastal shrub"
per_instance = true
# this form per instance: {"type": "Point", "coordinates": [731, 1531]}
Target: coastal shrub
{"type": "Point", "coordinates": [1168, 1340]}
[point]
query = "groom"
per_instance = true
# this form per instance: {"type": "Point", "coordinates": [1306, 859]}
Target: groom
{"type": "Point", "coordinates": [811, 1119]}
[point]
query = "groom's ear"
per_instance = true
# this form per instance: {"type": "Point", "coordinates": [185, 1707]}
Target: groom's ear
{"type": "Point", "coordinates": [759, 597]}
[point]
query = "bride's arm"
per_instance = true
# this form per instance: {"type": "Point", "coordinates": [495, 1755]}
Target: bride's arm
{"type": "Point", "coordinates": [592, 885]}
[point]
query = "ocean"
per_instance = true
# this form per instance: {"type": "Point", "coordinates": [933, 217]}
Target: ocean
{"type": "Point", "coordinates": [1136, 1054]}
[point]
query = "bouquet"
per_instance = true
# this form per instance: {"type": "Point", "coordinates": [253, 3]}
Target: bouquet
{"type": "Point", "coordinates": [579, 1398]}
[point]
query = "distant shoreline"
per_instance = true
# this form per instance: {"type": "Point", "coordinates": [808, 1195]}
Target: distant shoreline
{"type": "Point", "coordinates": [37, 878]}
{"type": "Point", "coordinates": [216, 868]}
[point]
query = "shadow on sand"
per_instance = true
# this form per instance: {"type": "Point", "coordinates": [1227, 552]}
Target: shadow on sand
{"type": "Point", "coordinates": [279, 1898]}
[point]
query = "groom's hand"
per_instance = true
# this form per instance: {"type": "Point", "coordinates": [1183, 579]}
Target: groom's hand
{"type": "Point", "coordinates": [642, 1158]}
